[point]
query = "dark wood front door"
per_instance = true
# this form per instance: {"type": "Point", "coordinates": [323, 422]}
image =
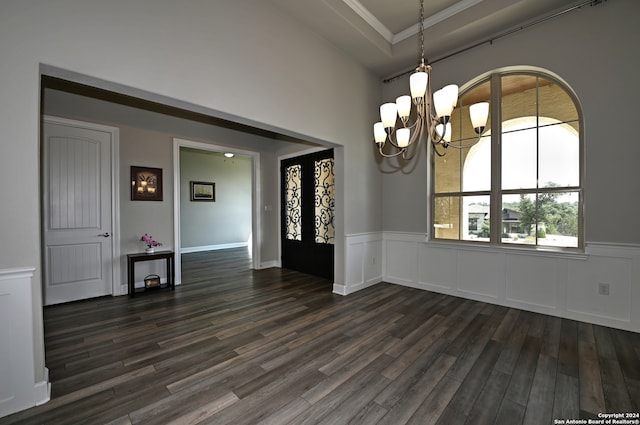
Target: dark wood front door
{"type": "Point", "coordinates": [308, 213]}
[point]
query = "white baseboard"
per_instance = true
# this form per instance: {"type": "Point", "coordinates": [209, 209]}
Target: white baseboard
{"type": "Point", "coordinates": [268, 265]}
{"type": "Point", "coordinates": [43, 389]}
{"type": "Point", "coordinates": [202, 248]}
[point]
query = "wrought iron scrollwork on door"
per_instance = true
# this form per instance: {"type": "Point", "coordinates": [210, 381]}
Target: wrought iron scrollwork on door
{"type": "Point", "coordinates": [293, 202]}
{"type": "Point", "coordinates": [324, 201]}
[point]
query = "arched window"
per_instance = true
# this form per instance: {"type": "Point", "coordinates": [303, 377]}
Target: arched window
{"type": "Point", "coordinates": [520, 181]}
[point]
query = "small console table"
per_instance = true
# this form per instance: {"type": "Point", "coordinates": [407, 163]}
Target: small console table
{"type": "Point", "coordinates": [132, 259]}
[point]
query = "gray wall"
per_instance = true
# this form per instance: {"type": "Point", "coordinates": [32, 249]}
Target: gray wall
{"type": "Point", "coordinates": [228, 219]}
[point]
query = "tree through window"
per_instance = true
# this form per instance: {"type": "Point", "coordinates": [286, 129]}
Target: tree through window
{"type": "Point", "coordinates": [521, 182]}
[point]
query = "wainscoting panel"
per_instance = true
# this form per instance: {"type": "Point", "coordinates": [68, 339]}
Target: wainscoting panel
{"type": "Point", "coordinates": [363, 261]}
{"type": "Point", "coordinates": [571, 285]}
{"type": "Point", "coordinates": [481, 274]}
{"type": "Point", "coordinates": [437, 268]}
{"type": "Point", "coordinates": [534, 281]}
{"type": "Point", "coordinates": [584, 295]}
{"type": "Point", "coordinates": [401, 262]}
{"type": "Point", "coordinates": [18, 389]}
{"type": "Point", "coordinates": [355, 264]}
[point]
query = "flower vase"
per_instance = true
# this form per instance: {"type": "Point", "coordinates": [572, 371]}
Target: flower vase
{"type": "Point", "coordinates": [150, 250]}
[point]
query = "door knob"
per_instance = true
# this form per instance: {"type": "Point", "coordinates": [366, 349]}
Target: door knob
{"type": "Point", "coordinates": [105, 234]}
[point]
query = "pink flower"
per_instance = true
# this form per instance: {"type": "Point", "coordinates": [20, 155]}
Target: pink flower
{"type": "Point", "coordinates": [148, 239]}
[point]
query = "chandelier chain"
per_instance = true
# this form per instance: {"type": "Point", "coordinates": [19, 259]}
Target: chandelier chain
{"type": "Point", "coordinates": [421, 33]}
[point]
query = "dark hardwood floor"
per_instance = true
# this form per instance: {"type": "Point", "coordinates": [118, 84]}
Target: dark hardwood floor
{"type": "Point", "coordinates": [237, 346]}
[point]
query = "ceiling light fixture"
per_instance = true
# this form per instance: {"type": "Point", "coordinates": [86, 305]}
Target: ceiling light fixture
{"type": "Point", "coordinates": [228, 154]}
{"type": "Point", "coordinates": [435, 120]}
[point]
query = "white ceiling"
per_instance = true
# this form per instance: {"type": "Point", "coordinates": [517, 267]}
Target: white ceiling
{"type": "Point", "coordinates": [381, 34]}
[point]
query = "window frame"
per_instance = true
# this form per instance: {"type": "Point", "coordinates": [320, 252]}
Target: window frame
{"type": "Point", "coordinates": [496, 192]}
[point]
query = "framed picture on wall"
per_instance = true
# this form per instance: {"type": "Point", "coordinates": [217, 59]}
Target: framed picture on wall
{"type": "Point", "coordinates": [146, 184]}
{"type": "Point", "coordinates": [203, 191]}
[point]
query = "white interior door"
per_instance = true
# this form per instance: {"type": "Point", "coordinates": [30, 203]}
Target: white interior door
{"type": "Point", "coordinates": [78, 251]}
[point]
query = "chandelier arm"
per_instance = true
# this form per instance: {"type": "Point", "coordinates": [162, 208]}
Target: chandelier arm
{"type": "Point", "coordinates": [416, 131]}
{"type": "Point", "coordinates": [415, 128]}
{"type": "Point", "coordinates": [393, 142]}
{"type": "Point", "coordinates": [466, 145]}
{"type": "Point", "coordinates": [435, 149]}
{"type": "Point", "coordinates": [390, 155]}
{"type": "Point", "coordinates": [419, 134]}
{"type": "Point", "coordinates": [439, 138]}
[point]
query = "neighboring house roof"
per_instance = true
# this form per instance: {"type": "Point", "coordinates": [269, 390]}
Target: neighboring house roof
{"type": "Point", "coordinates": [510, 215]}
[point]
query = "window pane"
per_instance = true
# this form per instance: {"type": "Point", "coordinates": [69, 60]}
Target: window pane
{"type": "Point", "coordinates": [476, 174]}
{"type": "Point", "coordinates": [519, 97]}
{"type": "Point", "coordinates": [519, 154]}
{"type": "Point", "coordinates": [447, 171]}
{"type": "Point", "coordinates": [446, 217]}
{"type": "Point", "coordinates": [545, 219]}
{"type": "Point", "coordinates": [476, 168]}
{"type": "Point", "coordinates": [475, 216]}
{"type": "Point", "coordinates": [293, 202]}
{"type": "Point", "coordinates": [559, 150]}
{"type": "Point", "coordinates": [555, 102]}
{"type": "Point", "coordinates": [324, 201]}
{"type": "Point", "coordinates": [518, 219]}
{"type": "Point", "coordinates": [558, 219]}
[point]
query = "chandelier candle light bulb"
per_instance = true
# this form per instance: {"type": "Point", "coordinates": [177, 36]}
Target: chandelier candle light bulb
{"type": "Point", "coordinates": [388, 115]}
{"type": "Point", "coordinates": [403, 104]}
{"type": "Point", "coordinates": [418, 84]}
{"type": "Point", "coordinates": [403, 137]}
{"type": "Point", "coordinates": [479, 113]}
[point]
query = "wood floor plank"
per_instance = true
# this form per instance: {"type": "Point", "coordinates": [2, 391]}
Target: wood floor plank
{"type": "Point", "coordinates": [405, 408]}
{"type": "Point", "coordinates": [540, 403]}
{"type": "Point", "coordinates": [488, 403]}
{"type": "Point", "coordinates": [513, 343]}
{"type": "Point", "coordinates": [369, 414]}
{"type": "Point", "coordinates": [324, 407]}
{"type": "Point", "coordinates": [286, 413]}
{"type": "Point", "coordinates": [568, 350]}
{"type": "Point", "coordinates": [566, 404]}
{"type": "Point", "coordinates": [406, 352]}
{"type": "Point", "coordinates": [510, 413]}
{"type": "Point", "coordinates": [629, 358]}
{"type": "Point", "coordinates": [396, 389]}
{"type": "Point", "coordinates": [473, 381]}
{"type": "Point", "coordinates": [349, 369]}
{"type": "Point", "coordinates": [274, 346]}
{"type": "Point", "coordinates": [591, 392]}
{"type": "Point", "coordinates": [432, 410]}
{"type": "Point", "coordinates": [205, 411]}
{"type": "Point", "coordinates": [358, 399]}
{"type": "Point", "coordinates": [522, 378]}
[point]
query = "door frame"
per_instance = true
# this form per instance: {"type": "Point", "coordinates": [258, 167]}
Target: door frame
{"type": "Point", "coordinates": [256, 201]}
{"type": "Point", "coordinates": [280, 212]}
{"type": "Point", "coordinates": [117, 285]}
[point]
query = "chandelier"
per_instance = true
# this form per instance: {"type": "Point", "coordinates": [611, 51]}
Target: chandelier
{"type": "Point", "coordinates": [432, 112]}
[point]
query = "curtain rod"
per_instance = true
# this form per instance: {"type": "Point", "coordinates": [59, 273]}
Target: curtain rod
{"type": "Point", "coordinates": [501, 35]}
